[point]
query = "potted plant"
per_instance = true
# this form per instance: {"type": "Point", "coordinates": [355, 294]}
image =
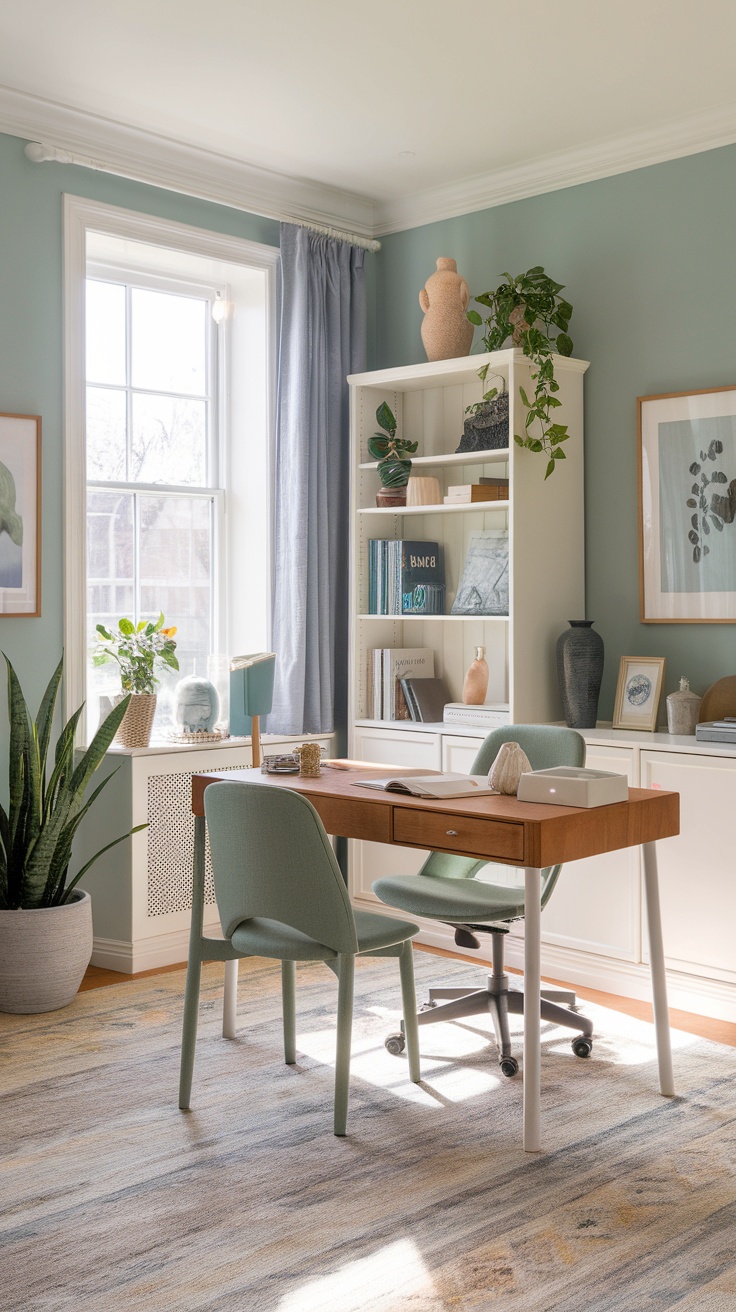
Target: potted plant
{"type": "Point", "coordinates": [138, 649]}
{"type": "Point", "coordinates": [45, 919]}
{"type": "Point", "coordinates": [530, 310]}
{"type": "Point", "coordinates": [390, 451]}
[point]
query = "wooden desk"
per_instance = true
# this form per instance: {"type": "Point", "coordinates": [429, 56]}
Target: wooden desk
{"type": "Point", "coordinates": [524, 834]}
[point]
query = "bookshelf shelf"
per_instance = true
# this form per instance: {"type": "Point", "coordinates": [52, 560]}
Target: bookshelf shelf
{"type": "Point", "coordinates": [440, 619]}
{"type": "Point", "coordinates": [464, 507]}
{"type": "Point", "coordinates": [499, 456]}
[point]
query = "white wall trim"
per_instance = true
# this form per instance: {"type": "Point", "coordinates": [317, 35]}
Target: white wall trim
{"type": "Point", "coordinates": [171, 949]}
{"type": "Point", "coordinates": [603, 159]}
{"type": "Point", "coordinates": [81, 216]}
{"type": "Point", "coordinates": [164, 162]}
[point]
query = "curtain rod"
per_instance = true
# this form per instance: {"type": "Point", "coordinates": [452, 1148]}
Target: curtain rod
{"type": "Point", "coordinates": [365, 243]}
{"type": "Point", "coordinates": [39, 153]}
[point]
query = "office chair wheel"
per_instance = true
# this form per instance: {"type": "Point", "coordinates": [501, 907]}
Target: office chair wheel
{"type": "Point", "coordinates": [582, 1047]}
{"type": "Point", "coordinates": [509, 1066]}
{"type": "Point", "coordinates": [395, 1044]}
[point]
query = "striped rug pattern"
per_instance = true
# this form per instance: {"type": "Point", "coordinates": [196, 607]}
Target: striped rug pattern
{"type": "Point", "coordinates": [113, 1200]}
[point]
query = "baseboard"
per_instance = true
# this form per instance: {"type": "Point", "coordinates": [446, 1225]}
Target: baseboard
{"type": "Point", "coordinates": [146, 954]}
{"type": "Point", "coordinates": [629, 979]}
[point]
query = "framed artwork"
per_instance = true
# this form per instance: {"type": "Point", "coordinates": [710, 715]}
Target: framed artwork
{"type": "Point", "coordinates": [687, 507]}
{"type": "Point", "coordinates": [639, 688]}
{"type": "Point", "coordinates": [20, 515]}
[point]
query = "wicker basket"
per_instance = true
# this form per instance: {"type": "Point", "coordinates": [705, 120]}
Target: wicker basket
{"type": "Point", "coordinates": [135, 730]}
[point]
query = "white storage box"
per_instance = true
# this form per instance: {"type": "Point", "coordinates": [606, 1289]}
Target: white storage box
{"type": "Point", "coordinates": [568, 786]}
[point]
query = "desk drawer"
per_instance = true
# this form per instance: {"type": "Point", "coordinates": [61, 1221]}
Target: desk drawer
{"type": "Point", "coordinates": [469, 835]}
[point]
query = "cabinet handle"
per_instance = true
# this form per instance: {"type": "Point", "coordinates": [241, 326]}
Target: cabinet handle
{"type": "Point", "coordinates": [452, 833]}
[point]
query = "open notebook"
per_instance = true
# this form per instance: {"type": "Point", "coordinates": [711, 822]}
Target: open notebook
{"type": "Point", "coordinates": [431, 785]}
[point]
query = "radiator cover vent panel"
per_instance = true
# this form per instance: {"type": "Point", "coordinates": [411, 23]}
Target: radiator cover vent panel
{"type": "Point", "coordinates": [171, 844]}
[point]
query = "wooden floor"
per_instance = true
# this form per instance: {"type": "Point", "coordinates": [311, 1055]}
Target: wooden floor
{"type": "Point", "coordinates": [720, 1031]}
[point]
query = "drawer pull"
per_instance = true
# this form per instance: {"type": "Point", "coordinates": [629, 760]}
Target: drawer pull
{"type": "Point", "coordinates": [452, 833]}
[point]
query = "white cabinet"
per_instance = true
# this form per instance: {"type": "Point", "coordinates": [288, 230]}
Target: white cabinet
{"type": "Point", "coordinates": [389, 747]}
{"type": "Point", "coordinates": [697, 870]}
{"type": "Point", "coordinates": [596, 905]}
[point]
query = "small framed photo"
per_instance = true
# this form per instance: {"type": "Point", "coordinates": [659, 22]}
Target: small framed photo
{"type": "Point", "coordinates": [687, 507]}
{"type": "Point", "coordinates": [20, 515]}
{"type": "Point", "coordinates": [638, 691]}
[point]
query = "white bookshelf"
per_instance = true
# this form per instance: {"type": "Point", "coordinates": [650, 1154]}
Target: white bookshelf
{"type": "Point", "coordinates": [545, 521]}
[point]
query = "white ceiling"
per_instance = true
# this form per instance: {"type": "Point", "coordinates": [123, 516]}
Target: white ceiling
{"type": "Point", "coordinates": [379, 103]}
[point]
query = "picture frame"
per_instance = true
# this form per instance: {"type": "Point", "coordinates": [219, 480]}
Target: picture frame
{"type": "Point", "coordinates": [687, 507]}
{"type": "Point", "coordinates": [20, 515]}
{"type": "Point", "coordinates": [638, 692]}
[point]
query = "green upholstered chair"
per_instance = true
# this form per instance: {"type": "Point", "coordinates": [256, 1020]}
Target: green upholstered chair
{"type": "Point", "coordinates": [280, 893]}
{"type": "Point", "coordinates": [448, 888]}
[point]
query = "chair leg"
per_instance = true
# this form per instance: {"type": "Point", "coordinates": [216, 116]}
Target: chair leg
{"type": "Point", "coordinates": [189, 1030]}
{"type": "Point", "coordinates": [561, 1016]}
{"type": "Point", "coordinates": [346, 977]}
{"type": "Point", "coordinates": [230, 1000]}
{"type": "Point", "coordinates": [409, 1001]}
{"type": "Point", "coordinates": [288, 997]}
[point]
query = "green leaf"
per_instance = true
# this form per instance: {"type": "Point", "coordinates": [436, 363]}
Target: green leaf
{"type": "Point", "coordinates": [564, 344]}
{"type": "Point", "coordinates": [550, 469]}
{"type": "Point", "coordinates": [483, 372]}
{"type": "Point", "coordinates": [126, 626]}
{"type": "Point", "coordinates": [385, 418]}
{"type": "Point", "coordinates": [106, 634]}
{"type": "Point", "coordinates": [518, 440]}
{"type": "Point", "coordinates": [524, 397]}
{"type": "Point", "coordinates": [474, 318]}
{"type": "Point", "coordinates": [558, 454]}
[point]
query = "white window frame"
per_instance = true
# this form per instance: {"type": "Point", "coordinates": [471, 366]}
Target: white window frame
{"type": "Point", "coordinates": [81, 216]}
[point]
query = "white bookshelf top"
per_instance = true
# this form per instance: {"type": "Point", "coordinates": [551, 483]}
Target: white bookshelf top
{"type": "Point", "coordinates": [444, 619]}
{"type": "Point", "coordinates": [439, 373]}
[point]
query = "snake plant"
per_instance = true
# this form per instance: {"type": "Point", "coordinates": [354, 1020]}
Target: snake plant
{"type": "Point", "coordinates": [46, 807]}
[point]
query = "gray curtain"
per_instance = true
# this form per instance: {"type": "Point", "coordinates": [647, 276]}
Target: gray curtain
{"type": "Point", "coordinates": [322, 339]}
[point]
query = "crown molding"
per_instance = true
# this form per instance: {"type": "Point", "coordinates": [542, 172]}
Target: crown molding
{"type": "Point", "coordinates": [163, 162]}
{"type": "Point", "coordinates": [699, 132]}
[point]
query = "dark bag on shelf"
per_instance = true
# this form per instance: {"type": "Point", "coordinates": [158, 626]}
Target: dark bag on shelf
{"type": "Point", "coordinates": [487, 429]}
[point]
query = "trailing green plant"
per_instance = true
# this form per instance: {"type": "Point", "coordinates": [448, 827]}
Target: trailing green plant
{"type": "Point", "coordinates": [517, 309]}
{"type": "Point", "coordinates": [138, 649]}
{"type": "Point", "coordinates": [46, 807]}
{"type": "Point", "coordinates": [390, 451]}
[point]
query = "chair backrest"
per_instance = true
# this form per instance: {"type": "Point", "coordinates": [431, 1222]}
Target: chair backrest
{"type": "Point", "coordinates": [545, 745]}
{"type": "Point", "coordinates": [271, 857]}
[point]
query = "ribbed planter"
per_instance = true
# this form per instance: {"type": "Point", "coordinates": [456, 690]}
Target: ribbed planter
{"type": "Point", "coordinates": [44, 954]}
{"type": "Point", "coordinates": [579, 673]}
{"type": "Point", "coordinates": [135, 730]}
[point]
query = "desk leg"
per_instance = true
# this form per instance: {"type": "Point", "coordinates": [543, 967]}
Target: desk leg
{"type": "Point", "coordinates": [532, 1009]}
{"type": "Point", "coordinates": [656, 966]}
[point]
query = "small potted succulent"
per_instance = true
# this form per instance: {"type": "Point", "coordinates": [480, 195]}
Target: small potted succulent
{"type": "Point", "coordinates": [138, 650]}
{"type": "Point", "coordinates": [45, 919]}
{"type": "Point", "coordinates": [390, 451]}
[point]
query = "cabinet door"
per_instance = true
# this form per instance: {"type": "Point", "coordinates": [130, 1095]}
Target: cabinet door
{"type": "Point", "coordinates": [697, 887]}
{"type": "Point", "coordinates": [596, 906]}
{"type": "Point", "coordinates": [458, 753]}
{"type": "Point", "coordinates": [369, 861]}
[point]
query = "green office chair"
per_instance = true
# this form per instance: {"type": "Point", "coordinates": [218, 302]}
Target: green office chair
{"type": "Point", "coordinates": [280, 893]}
{"type": "Point", "coordinates": [447, 889]}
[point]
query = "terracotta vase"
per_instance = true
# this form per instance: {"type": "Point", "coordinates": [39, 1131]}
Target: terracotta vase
{"type": "Point", "coordinates": [475, 686]}
{"type": "Point", "coordinates": [446, 330]}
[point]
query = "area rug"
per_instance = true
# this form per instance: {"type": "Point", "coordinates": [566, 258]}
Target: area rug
{"type": "Point", "coordinates": [112, 1199]}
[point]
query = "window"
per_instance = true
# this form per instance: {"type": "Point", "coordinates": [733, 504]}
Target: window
{"type": "Point", "coordinates": [154, 495]}
{"type": "Point", "coordinates": [167, 441]}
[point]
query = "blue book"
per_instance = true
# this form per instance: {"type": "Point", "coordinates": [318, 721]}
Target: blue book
{"type": "Point", "coordinates": [422, 578]}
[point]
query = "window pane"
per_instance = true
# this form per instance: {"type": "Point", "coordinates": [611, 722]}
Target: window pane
{"type": "Point", "coordinates": [168, 441]}
{"type": "Point", "coordinates": [105, 331]}
{"type": "Point", "coordinates": [110, 581]}
{"type": "Point", "coordinates": [105, 433]}
{"type": "Point", "coordinates": [168, 342]}
{"type": "Point", "coordinates": [175, 577]}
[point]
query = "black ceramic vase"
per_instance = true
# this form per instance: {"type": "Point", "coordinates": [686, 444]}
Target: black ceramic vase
{"type": "Point", "coordinates": [579, 673]}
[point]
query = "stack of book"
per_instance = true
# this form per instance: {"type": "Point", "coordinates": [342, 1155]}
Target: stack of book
{"type": "Point", "coordinates": [488, 716]}
{"type": "Point", "coordinates": [405, 578]}
{"type": "Point", "coordinates": [387, 666]}
{"type": "Point", "coordinates": [487, 489]}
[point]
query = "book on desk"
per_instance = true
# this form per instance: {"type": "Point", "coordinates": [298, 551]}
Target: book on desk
{"type": "Point", "coordinates": [431, 785]}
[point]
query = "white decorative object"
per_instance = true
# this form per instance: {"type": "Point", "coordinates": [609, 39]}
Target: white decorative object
{"type": "Point", "coordinates": [683, 709]}
{"type": "Point", "coordinates": [568, 785]}
{"type": "Point", "coordinates": [44, 953]}
{"type": "Point", "coordinates": [196, 705]}
{"type": "Point", "coordinates": [507, 769]}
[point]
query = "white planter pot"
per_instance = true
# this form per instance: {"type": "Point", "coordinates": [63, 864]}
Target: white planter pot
{"type": "Point", "coordinates": [44, 954]}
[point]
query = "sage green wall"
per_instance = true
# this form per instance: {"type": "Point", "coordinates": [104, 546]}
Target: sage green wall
{"type": "Point", "coordinates": [649, 263]}
{"type": "Point", "coordinates": [31, 346]}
